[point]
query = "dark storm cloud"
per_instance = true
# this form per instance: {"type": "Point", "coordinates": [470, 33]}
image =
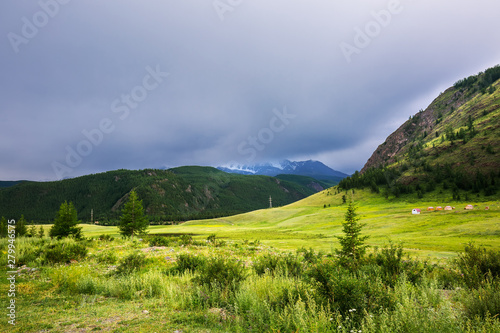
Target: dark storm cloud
{"type": "Point", "coordinates": [85, 85]}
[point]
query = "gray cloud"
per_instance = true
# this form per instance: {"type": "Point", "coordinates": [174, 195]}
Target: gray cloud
{"type": "Point", "coordinates": [225, 78]}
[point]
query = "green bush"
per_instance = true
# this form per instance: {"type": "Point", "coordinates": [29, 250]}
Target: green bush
{"type": "Point", "coordinates": [131, 263]}
{"type": "Point", "coordinates": [64, 252]}
{"type": "Point", "coordinates": [390, 259]}
{"type": "Point", "coordinates": [483, 302]}
{"type": "Point", "coordinates": [106, 238]}
{"type": "Point", "coordinates": [106, 257]}
{"type": "Point", "coordinates": [287, 264]}
{"type": "Point", "coordinates": [350, 293]}
{"type": "Point", "coordinates": [475, 263]}
{"type": "Point", "coordinates": [310, 256]}
{"type": "Point", "coordinates": [189, 262]}
{"type": "Point", "coordinates": [159, 241]}
{"type": "Point", "coordinates": [185, 239]}
{"type": "Point", "coordinates": [220, 272]}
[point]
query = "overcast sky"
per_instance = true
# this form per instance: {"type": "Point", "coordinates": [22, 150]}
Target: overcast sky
{"type": "Point", "coordinates": [90, 86]}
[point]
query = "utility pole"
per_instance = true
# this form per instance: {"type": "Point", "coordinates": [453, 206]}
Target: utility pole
{"type": "Point", "coordinates": [270, 202]}
{"type": "Point", "coordinates": [92, 216]}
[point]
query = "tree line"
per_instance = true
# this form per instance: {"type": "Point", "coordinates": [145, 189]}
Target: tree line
{"type": "Point", "coordinates": [132, 222]}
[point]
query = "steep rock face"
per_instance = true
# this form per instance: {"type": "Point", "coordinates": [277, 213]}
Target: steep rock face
{"type": "Point", "coordinates": [421, 124]}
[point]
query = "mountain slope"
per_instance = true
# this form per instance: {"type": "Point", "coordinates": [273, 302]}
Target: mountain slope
{"type": "Point", "coordinates": [314, 169]}
{"type": "Point", "coordinates": [454, 142]}
{"type": "Point", "coordinates": [463, 119]}
{"type": "Point", "coordinates": [175, 194]}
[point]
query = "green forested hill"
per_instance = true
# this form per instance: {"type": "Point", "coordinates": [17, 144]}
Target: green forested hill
{"type": "Point", "coordinates": [168, 195]}
{"type": "Point", "coordinates": [452, 145]}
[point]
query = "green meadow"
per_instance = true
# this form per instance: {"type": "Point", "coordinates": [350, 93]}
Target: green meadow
{"type": "Point", "coordinates": [271, 270]}
{"type": "Point", "coordinates": [315, 221]}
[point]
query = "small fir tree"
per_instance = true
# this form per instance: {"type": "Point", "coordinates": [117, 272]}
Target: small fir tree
{"type": "Point", "coordinates": [31, 230]}
{"type": "Point", "coordinates": [133, 222]}
{"type": "Point", "coordinates": [353, 246]}
{"type": "Point", "coordinates": [41, 232]}
{"type": "Point", "coordinates": [21, 229]}
{"type": "Point", "coordinates": [66, 222]}
{"type": "Point", "coordinates": [3, 227]}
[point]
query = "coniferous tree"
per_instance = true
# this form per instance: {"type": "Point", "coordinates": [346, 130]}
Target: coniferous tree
{"type": "Point", "coordinates": [31, 230]}
{"type": "Point", "coordinates": [41, 232]}
{"type": "Point", "coordinates": [66, 222]}
{"type": "Point", "coordinates": [3, 227]}
{"type": "Point", "coordinates": [353, 246]}
{"type": "Point", "coordinates": [21, 229]}
{"type": "Point", "coordinates": [133, 222]}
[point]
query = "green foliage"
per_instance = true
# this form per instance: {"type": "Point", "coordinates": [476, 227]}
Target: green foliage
{"type": "Point", "coordinates": [21, 229]}
{"type": "Point", "coordinates": [65, 252]}
{"type": "Point", "coordinates": [189, 262]}
{"type": "Point", "coordinates": [131, 263]}
{"type": "Point", "coordinates": [483, 302]}
{"type": "Point", "coordinates": [310, 256]}
{"type": "Point", "coordinates": [345, 290]}
{"type": "Point", "coordinates": [477, 263]}
{"type": "Point", "coordinates": [186, 239]}
{"type": "Point", "coordinates": [220, 272]}
{"type": "Point", "coordinates": [212, 193]}
{"type": "Point", "coordinates": [106, 257]}
{"type": "Point", "coordinates": [65, 224]}
{"type": "Point", "coordinates": [133, 222]}
{"type": "Point", "coordinates": [159, 241]}
{"type": "Point", "coordinates": [106, 238]}
{"type": "Point", "coordinates": [283, 264]}
{"type": "Point", "coordinates": [3, 227]}
{"type": "Point", "coordinates": [352, 244]}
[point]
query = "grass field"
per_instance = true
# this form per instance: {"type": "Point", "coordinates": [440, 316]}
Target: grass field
{"type": "Point", "coordinates": [123, 285]}
{"type": "Point", "coordinates": [306, 223]}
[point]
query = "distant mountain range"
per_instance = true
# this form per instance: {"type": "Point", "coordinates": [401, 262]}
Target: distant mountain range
{"type": "Point", "coordinates": [314, 169]}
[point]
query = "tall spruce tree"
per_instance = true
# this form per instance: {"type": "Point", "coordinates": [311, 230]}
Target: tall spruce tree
{"type": "Point", "coordinates": [353, 246]}
{"type": "Point", "coordinates": [133, 222]}
{"type": "Point", "coordinates": [66, 222]}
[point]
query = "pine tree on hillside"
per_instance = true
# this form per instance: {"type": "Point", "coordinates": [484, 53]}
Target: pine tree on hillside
{"type": "Point", "coordinates": [133, 222]}
{"type": "Point", "coordinates": [352, 244]}
{"type": "Point", "coordinates": [66, 222]}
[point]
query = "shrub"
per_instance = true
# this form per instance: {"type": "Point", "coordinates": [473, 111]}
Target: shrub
{"type": "Point", "coordinates": [106, 257]}
{"type": "Point", "coordinates": [159, 241]}
{"type": "Point", "coordinates": [310, 256]}
{"type": "Point", "coordinates": [483, 302]}
{"type": "Point", "coordinates": [64, 252]}
{"type": "Point", "coordinates": [133, 262]}
{"type": "Point", "coordinates": [286, 264]}
{"type": "Point", "coordinates": [189, 262]}
{"type": "Point", "coordinates": [349, 292]}
{"type": "Point", "coordinates": [221, 273]}
{"type": "Point", "coordinates": [106, 238]}
{"type": "Point", "coordinates": [186, 239]}
{"type": "Point", "coordinates": [476, 262]}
